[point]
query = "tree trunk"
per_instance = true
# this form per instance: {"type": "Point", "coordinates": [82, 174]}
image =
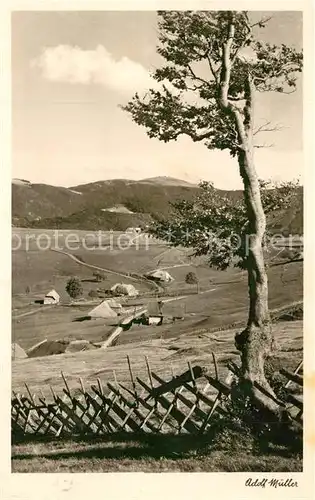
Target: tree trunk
{"type": "Point", "coordinates": [256, 341]}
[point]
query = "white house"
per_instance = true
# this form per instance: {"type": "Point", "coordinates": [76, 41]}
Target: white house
{"type": "Point", "coordinates": [155, 320]}
{"type": "Point", "coordinates": [52, 297]}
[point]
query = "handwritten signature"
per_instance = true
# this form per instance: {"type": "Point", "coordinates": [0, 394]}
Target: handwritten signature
{"type": "Point", "coordinates": [274, 483]}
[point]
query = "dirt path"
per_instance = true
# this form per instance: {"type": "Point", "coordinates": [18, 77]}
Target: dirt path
{"type": "Point", "coordinates": [175, 265]}
{"type": "Point", "coordinates": [110, 271]}
{"type": "Point", "coordinates": [34, 311]}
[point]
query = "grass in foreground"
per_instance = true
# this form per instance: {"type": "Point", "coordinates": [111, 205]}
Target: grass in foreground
{"type": "Point", "coordinates": [231, 452]}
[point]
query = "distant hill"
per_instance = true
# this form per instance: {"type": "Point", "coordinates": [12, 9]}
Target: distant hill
{"type": "Point", "coordinates": [118, 203]}
{"type": "Point", "coordinates": [21, 182]}
{"type": "Point", "coordinates": [40, 205]}
{"type": "Point", "coordinates": [167, 181]}
{"type": "Point", "coordinates": [290, 220]}
{"type": "Point", "coordinates": [32, 202]}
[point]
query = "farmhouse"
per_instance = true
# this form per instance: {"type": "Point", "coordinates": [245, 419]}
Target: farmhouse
{"type": "Point", "coordinates": [52, 297]}
{"type": "Point", "coordinates": [47, 348]}
{"type": "Point", "coordinates": [160, 275]}
{"type": "Point", "coordinates": [124, 289]}
{"type": "Point", "coordinates": [103, 310]}
{"type": "Point", "coordinates": [115, 305]}
{"type": "Point", "coordinates": [17, 352]}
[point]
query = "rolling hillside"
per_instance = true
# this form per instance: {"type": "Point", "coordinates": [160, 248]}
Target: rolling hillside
{"type": "Point", "coordinates": [87, 206]}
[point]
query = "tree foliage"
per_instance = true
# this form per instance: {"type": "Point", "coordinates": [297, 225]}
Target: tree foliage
{"type": "Point", "coordinates": [217, 225]}
{"type": "Point", "coordinates": [215, 66]}
{"type": "Point", "coordinates": [74, 288]}
{"type": "Point", "coordinates": [190, 97]}
{"type": "Point", "coordinates": [191, 278]}
{"type": "Point", "coordinates": [99, 276]}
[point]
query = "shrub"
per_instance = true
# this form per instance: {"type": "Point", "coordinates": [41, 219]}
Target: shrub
{"type": "Point", "coordinates": [93, 293]}
{"type": "Point", "coordinates": [74, 288]}
{"type": "Point", "coordinates": [254, 429]}
{"type": "Point", "coordinates": [192, 279]}
{"type": "Point", "coordinates": [99, 276]}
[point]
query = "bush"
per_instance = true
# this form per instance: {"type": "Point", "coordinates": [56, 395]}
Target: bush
{"type": "Point", "coordinates": [255, 431]}
{"type": "Point", "coordinates": [74, 288]}
{"type": "Point", "coordinates": [93, 293]}
{"type": "Point", "coordinates": [99, 276]}
{"type": "Point", "coordinates": [192, 279]}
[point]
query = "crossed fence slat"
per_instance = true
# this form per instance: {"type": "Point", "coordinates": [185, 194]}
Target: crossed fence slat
{"type": "Point", "coordinates": [180, 405]}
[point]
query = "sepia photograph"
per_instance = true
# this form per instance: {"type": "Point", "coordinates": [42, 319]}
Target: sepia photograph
{"type": "Point", "coordinates": [157, 242]}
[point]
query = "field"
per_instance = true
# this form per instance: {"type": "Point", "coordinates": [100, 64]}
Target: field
{"type": "Point", "coordinates": [163, 354]}
{"type": "Point", "coordinates": [132, 454]}
{"type": "Point", "coordinates": [196, 323]}
{"type": "Point", "coordinates": [221, 301]}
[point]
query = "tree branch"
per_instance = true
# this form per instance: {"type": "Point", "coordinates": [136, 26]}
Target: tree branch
{"type": "Point", "coordinates": [194, 136]}
{"type": "Point", "coordinates": [262, 22]}
{"type": "Point", "coordinates": [265, 128]}
{"type": "Point", "coordinates": [248, 108]}
{"type": "Point", "coordinates": [226, 66]}
{"type": "Point", "coordinates": [210, 63]}
{"type": "Point", "coordinates": [231, 98]}
{"type": "Point", "coordinates": [260, 88]}
{"type": "Point", "coordinates": [264, 145]}
{"type": "Point", "coordinates": [198, 78]}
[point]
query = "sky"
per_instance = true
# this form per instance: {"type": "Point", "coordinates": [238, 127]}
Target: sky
{"type": "Point", "coordinates": [72, 70]}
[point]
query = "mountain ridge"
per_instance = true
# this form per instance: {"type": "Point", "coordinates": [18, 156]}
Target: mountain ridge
{"type": "Point", "coordinates": [87, 206]}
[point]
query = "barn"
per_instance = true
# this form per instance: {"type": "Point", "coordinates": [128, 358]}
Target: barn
{"type": "Point", "coordinates": [124, 289]}
{"type": "Point", "coordinates": [160, 275]}
{"type": "Point", "coordinates": [103, 310]}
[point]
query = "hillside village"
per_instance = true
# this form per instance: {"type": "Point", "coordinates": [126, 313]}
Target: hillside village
{"type": "Point", "coordinates": [157, 253]}
{"type": "Point", "coordinates": [138, 293]}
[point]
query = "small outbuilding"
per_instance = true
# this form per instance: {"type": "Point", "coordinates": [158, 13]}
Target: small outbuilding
{"type": "Point", "coordinates": [52, 297]}
{"type": "Point", "coordinates": [155, 320]}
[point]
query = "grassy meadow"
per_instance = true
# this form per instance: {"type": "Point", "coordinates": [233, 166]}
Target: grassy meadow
{"type": "Point", "coordinates": [209, 322]}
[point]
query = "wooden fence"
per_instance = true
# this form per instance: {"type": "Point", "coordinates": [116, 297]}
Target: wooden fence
{"type": "Point", "coordinates": [182, 404]}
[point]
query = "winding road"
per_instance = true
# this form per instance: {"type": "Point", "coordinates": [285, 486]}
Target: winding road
{"type": "Point", "coordinates": [109, 271]}
{"type": "Point", "coordinates": [127, 320]}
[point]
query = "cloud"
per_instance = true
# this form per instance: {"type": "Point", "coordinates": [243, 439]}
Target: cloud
{"type": "Point", "coordinates": [68, 64]}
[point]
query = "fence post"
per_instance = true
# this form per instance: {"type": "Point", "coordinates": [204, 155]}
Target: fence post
{"type": "Point", "coordinates": [132, 381]}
